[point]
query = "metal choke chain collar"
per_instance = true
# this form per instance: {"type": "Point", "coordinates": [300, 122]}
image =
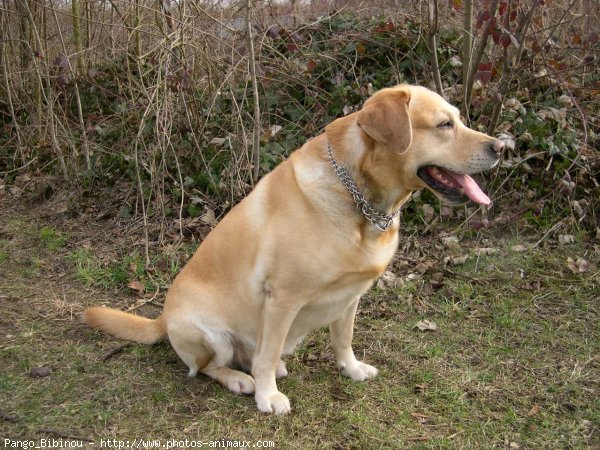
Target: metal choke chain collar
{"type": "Point", "coordinates": [379, 220]}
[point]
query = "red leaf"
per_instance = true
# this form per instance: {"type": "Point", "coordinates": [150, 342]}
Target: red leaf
{"type": "Point", "coordinates": [485, 67]}
{"type": "Point", "coordinates": [311, 65]}
{"type": "Point", "coordinates": [385, 27]}
{"type": "Point", "coordinates": [505, 40]}
{"type": "Point", "coordinates": [496, 36]}
{"type": "Point", "coordinates": [483, 76]}
{"type": "Point", "coordinates": [503, 6]}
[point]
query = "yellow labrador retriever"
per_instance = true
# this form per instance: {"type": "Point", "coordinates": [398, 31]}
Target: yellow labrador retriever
{"type": "Point", "coordinates": [301, 249]}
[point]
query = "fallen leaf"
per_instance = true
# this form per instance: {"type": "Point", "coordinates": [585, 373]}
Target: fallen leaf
{"type": "Point", "coordinates": [451, 242]}
{"type": "Point", "coordinates": [535, 409]}
{"type": "Point", "coordinates": [485, 251]}
{"type": "Point", "coordinates": [22, 180]}
{"type": "Point", "coordinates": [446, 211]}
{"type": "Point", "coordinates": [421, 418]}
{"type": "Point", "coordinates": [209, 218]}
{"type": "Point", "coordinates": [519, 248]}
{"type": "Point", "coordinates": [455, 61]}
{"type": "Point", "coordinates": [508, 139]}
{"type": "Point", "coordinates": [136, 286]}
{"type": "Point", "coordinates": [566, 239]}
{"type": "Point", "coordinates": [428, 213]}
{"type": "Point", "coordinates": [388, 280]}
{"type": "Point", "coordinates": [217, 141]}
{"type": "Point", "coordinates": [426, 325]}
{"type": "Point", "coordinates": [275, 129]}
{"type": "Point", "coordinates": [424, 266]}
{"type": "Point", "coordinates": [458, 260]}
{"type": "Point", "coordinates": [40, 371]}
{"type": "Point", "coordinates": [419, 388]}
{"type": "Point", "coordinates": [577, 266]}
{"type": "Point", "coordinates": [437, 280]}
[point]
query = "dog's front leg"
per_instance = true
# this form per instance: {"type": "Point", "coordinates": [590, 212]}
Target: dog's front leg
{"type": "Point", "coordinates": [341, 341]}
{"type": "Point", "coordinates": [277, 318]}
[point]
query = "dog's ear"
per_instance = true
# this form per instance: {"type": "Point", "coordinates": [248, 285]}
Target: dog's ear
{"type": "Point", "coordinates": [385, 119]}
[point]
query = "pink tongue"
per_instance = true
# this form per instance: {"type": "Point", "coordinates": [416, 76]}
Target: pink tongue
{"type": "Point", "coordinates": [472, 190]}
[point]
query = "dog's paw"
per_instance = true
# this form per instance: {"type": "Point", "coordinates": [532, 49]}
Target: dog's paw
{"type": "Point", "coordinates": [359, 371]}
{"type": "Point", "coordinates": [276, 403]}
{"type": "Point", "coordinates": [281, 370]}
{"type": "Point", "coordinates": [240, 383]}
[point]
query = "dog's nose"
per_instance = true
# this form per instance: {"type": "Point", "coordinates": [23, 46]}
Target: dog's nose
{"type": "Point", "coordinates": [497, 146]}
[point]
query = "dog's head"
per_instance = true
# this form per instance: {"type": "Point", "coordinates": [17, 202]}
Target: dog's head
{"type": "Point", "coordinates": [417, 139]}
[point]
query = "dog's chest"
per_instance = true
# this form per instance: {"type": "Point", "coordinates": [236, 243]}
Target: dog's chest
{"type": "Point", "coordinates": [343, 286]}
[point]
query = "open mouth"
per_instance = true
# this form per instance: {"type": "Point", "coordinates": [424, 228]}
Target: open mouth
{"type": "Point", "coordinates": [455, 187]}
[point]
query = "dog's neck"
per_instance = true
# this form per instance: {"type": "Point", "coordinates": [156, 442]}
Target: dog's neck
{"type": "Point", "coordinates": [378, 219]}
{"type": "Point", "coordinates": [354, 152]}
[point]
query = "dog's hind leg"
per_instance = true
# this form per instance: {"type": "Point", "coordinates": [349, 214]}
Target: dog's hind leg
{"type": "Point", "coordinates": [210, 357]}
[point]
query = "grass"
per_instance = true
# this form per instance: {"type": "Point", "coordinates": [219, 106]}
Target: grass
{"type": "Point", "coordinates": [117, 271]}
{"type": "Point", "coordinates": [514, 362]}
{"type": "Point", "coordinates": [51, 239]}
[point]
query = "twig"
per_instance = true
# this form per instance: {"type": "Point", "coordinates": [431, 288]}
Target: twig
{"type": "Point", "coordinates": [455, 434]}
{"type": "Point", "coordinates": [150, 300]}
{"type": "Point", "coordinates": [467, 44]}
{"type": "Point", "coordinates": [473, 62]}
{"type": "Point", "coordinates": [252, 63]}
{"type": "Point", "coordinates": [432, 43]}
{"type": "Point", "coordinates": [509, 72]}
{"type": "Point", "coordinates": [556, 225]}
{"type": "Point", "coordinates": [115, 351]}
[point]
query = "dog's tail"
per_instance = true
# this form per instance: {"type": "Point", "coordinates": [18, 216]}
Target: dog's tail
{"type": "Point", "coordinates": [126, 326]}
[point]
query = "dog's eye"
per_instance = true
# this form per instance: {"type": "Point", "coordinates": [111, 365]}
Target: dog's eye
{"type": "Point", "coordinates": [446, 124]}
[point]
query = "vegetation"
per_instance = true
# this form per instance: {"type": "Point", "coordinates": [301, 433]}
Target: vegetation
{"type": "Point", "coordinates": [128, 128]}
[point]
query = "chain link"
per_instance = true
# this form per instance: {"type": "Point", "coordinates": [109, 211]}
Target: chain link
{"type": "Point", "coordinates": [379, 220]}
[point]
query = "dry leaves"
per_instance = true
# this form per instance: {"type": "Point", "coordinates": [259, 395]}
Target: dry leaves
{"type": "Point", "coordinates": [421, 418]}
{"type": "Point", "coordinates": [519, 248]}
{"type": "Point", "coordinates": [388, 280]}
{"type": "Point", "coordinates": [136, 286]}
{"type": "Point", "coordinates": [485, 251]}
{"type": "Point", "coordinates": [428, 213]}
{"type": "Point", "coordinates": [40, 371]}
{"type": "Point", "coordinates": [420, 388]}
{"type": "Point", "coordinates": [566, 239]}
{"type": "Point", "coordinates": [577, 266]}
{"type": "Point", "coordinates": [456, 260]}
{"type": "Point", "coordinates": [535, 409]}
{"type": "Point", "coordinates": [209, 218]}
{"type": "Point", "coordinates": [426, 325]}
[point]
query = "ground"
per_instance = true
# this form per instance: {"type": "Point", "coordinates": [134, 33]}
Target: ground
{"type": "Point", "coordinates": [514, 361]}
